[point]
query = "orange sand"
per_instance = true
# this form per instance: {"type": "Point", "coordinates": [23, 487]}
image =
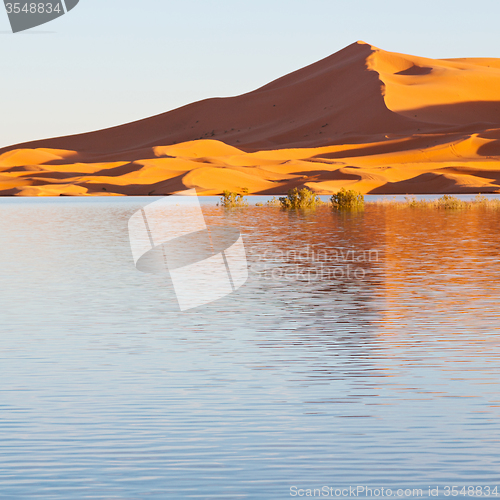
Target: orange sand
{"type": "Point", "coordinates": [363, 118]}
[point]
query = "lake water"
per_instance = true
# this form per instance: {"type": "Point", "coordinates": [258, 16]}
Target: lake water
{"type": "Point", "coordinates": [363, 351]}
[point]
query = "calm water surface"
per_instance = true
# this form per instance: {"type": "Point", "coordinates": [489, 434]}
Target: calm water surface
{"type": "Point", "coordinates": [363, 350]}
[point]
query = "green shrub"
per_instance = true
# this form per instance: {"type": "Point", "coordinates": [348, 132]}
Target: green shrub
{"type": "Point", "coordinates": [231, 200]}
{"type": "Point", "coordinates": [445, 202]}
{"type": "Point", "coordinates": [412, 202]}
{"type": "Point", "coordinates": [303, 198]}
{"type": "Point", "coordinates": [448, 202]}
{"type": "Point", "coordinates": [482, 201]}
{"type": "Point", "coordinates": [274, 202]}
{"type": "Point", "coordinates": [451, 203]}
{"type": "Point", "coordinates": [348, 200]}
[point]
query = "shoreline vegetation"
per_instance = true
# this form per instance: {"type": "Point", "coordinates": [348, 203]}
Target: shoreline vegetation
{"type": "Point", "coordinates": [230, 199]}
{"type": "Point", "coordinates": [350, 200]}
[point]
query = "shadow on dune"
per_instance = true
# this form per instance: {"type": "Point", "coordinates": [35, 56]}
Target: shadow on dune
{"type": "Point", "coordinates": [492, 148]}
{"type": "Point", "coordinates": [440, 183]}
{"type": "Point", "coordinates": [415, 71]}
{"type": "Point", "coordinates": [474, 116]}
{"type": "Point", "coordinates": [337, 99]}
{"type": "Point", "coordinates": [394, 145]}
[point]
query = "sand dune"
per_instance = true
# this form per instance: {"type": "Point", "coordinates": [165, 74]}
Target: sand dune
{"type": "Point", "coordinates": [363, 118]}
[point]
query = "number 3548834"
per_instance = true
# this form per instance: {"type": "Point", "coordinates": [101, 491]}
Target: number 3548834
{"type": "Point", "coordinates": [33, 8]}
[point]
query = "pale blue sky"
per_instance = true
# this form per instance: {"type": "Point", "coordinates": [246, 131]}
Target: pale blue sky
{"type": "Point", "coordinates": [108, 62]}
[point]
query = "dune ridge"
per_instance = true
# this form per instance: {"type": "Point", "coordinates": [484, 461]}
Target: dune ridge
{"type": "Point", "coordinates": [363, 118]}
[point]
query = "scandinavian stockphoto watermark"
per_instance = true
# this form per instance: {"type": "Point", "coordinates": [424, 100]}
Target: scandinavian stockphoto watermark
{"type": "Point", "coordinates": [204, 263]}
{"type": "Point", "coordinates": [397, 492]}
{"type": "Point", "coordinates": [363, 492]}
{"type": "Point", "coordinates": [25, 15]}
{"type": "Point", "coordinates": [208, 263]}
{"type": "Point", "coordinates": [314, 263]}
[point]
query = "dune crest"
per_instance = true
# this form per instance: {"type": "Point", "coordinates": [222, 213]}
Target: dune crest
{"type": "Point", "coordinates": [362, 118]}
{"type": "Point", "coordinates": [423, 88]}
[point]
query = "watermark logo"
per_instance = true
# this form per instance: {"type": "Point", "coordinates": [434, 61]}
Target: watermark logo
{"type": "Point", "coordinates": [25, 15]}
{"type": "Point", "coordinates": [310, 263]}
{"type": "Point", "coordinates": [204, 263]}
